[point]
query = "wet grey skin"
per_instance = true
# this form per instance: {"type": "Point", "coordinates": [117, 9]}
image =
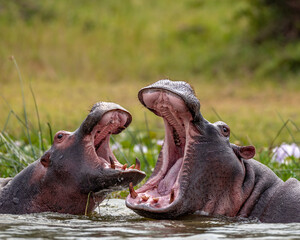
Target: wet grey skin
{"type": "Point", "coordinates": [77, 172]}
{"type": "Point", "coordinates": [199, 170]}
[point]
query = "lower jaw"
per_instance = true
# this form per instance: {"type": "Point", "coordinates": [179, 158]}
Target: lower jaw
{"type": "Point", "coordinates": [161, 200]}
{"type": "Point", "coordinates": [164, 213]}
{"type": "Point", "coordinates": [151, 210]}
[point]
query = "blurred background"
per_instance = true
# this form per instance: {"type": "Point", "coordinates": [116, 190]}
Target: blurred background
{"type": "Point", "coordinates": [241, 56]}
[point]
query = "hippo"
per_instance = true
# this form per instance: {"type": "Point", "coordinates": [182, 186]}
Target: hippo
{"type": "Point", "coordinates": [77, 172]}
{"type": "Point", "coordinates": [199, 171]}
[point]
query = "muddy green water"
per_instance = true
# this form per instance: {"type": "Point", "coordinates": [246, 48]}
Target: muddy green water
{"type": "Point", "coordinates": [117, 222]}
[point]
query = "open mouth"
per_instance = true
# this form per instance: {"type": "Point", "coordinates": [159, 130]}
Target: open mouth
{"type": "Point", "coordinates": [112, 122]}
{"type": "Point", "coordinates": [171, 174]}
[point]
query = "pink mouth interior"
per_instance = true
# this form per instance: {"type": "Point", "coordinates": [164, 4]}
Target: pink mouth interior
{"type": "Point", "coordinates": [111, 123]}
{"type": "Point", "coordinates": [163, 186]}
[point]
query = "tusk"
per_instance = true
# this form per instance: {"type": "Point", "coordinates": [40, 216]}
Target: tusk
{"type": "Point", "coordinates": [145, 198]}
{"type": "Point", "coordinates": [133, 193]}
{"type": "Point", "coordinates": [124, 166]}
{"type": "Point", "coordinates": [112, 163]}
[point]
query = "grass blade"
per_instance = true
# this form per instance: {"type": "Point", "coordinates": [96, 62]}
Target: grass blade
{"type": "Point", "coordinates": [38, 118]}
{"type": "Point", "coordinates": [50, 133]}
{"type": "Point", "coordinates": [287, 128]}
{"type": "Point", "coordinates": [12, 111]}
{"type": "Point", "coordinates": [6, 122]}
{"type": "Point", "coordinates": [278, 133]}
{"type": "Point", "coordinates": [24, 105]}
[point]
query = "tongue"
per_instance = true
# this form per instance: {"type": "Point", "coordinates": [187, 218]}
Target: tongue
{"type": "Point", "coordinates": [166, 184]}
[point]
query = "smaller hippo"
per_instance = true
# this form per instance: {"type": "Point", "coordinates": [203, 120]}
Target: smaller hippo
{"type": "Point", "coordinates": [77, 172]}
{"type": "Point", "coordinates": [199, 170]}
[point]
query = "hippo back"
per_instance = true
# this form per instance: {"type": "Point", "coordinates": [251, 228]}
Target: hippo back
{"type": "Point", "coordinates": [285, 203]}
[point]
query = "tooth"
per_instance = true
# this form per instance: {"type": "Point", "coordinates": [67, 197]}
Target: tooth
{"type": "Point", "coordinates": [112, 163]}
{"type": "Point", "coordinates": [131, 167]}
{"type": "Point", "coordinates": [124, 166]}
{"type": "Point", "coordinates": [133, 194]}
{"type": "Point", "coordinates": [137, 164]}
{"type": "Point", "coordinates": [171, 196]}
{"type": "Point", "coordinates": [155, 200]}
{"type": "Point", "coordinates": [145, 198]}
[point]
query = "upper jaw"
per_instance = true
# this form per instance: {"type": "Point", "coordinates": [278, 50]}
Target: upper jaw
{"type": "Point", "coordinates": [103, 120]}
{"type": "Point", "coordinates": [97, 113]}
{"type": "Point", "coordinates": [112, 122]}
{"type": "Point", "coordinates": [182, 89]}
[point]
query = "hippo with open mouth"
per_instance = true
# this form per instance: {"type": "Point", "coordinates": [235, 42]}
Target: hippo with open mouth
{"type": "Point", "coordinates": [199, 170]}
{"type": "Point", "coordinates": [77, 172]}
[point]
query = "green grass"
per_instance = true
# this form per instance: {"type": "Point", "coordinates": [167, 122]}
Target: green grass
{"type": "Point", "coordinates": [16, 155]}
{"type": "Point", "coordinates": [141, 143]}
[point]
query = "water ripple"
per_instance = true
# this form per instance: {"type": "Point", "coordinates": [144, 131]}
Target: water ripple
{"type": "Point", "coordinates": [115, 221]}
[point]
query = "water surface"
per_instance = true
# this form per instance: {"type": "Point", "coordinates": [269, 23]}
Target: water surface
{"type": "Point", "coordinates": [115, 221]}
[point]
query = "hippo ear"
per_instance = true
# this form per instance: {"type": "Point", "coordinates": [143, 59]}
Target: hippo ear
{"type": "Point", "coordinates": [245, 152]}
{"type": "Point", "coordinates": [45, 160]}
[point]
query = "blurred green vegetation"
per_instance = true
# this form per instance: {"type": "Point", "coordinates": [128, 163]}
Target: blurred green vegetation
{"type": "Point", "coordinates": [243, 66]}
{"type": "Point", "coordinates": [273, 19]}
{"type": "Point", "coordinates": [131, 39]}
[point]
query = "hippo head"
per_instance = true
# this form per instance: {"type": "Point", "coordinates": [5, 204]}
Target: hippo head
{"type": "Point", "coordinates": [78, 170]}
{"type": "Point", "coordinates": [197, 168]}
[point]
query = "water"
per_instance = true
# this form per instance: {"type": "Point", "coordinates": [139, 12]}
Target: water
{"type": "Point", "coordinates": [118, 222]}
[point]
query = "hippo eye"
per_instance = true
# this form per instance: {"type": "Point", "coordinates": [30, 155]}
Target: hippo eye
{"type": "Point", "coordinates": [225, 131]}
{"type": "Point", "coordinates": [59, 136]}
